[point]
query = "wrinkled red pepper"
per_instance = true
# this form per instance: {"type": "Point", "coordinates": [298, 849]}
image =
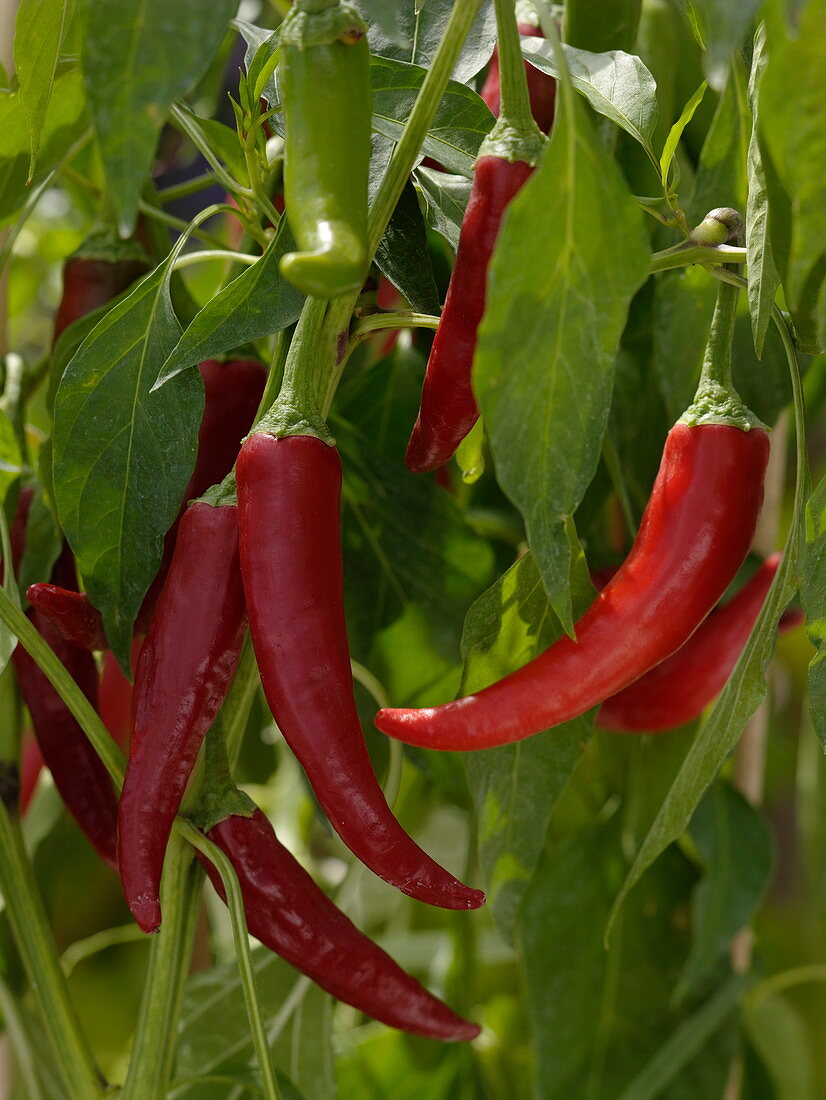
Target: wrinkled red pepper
{"type": "Point", "coordinates": [184, 671]}
{"type": "Point", "coordinates": [679, 689]}
{"type": "Point", "coordinates": [695, 534]}
{"type": "Point", "coordinates": [292, 916]}
{"type": "Point", "coordinates": [448, 409]}
{"type": "Point", "coordinates": [541, 87]}
{"type": "Point", "coordinates": [289, 496]}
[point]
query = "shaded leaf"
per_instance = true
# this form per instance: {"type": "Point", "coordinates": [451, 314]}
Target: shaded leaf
{"type": "Point", "coordinates": [723, 26]}
{"type": "Point", "coordinates": [40, 27]}
{"type": "Point", "coordinates": [134, 69]}
{"type": "Point", "coordinates": [403, 256]}
{"type": "Point", "coordinates": [721, 174]}
{"type": "Point", "coordinates": [616, 84]}
{"type": "Point", "coordinates": [779, 1034]}
{"type": "Point", "coordinates": [123, 454]}
{"type": "Point", "coordinates": [446, 197]}
{"type": "Point", "coordinates": [735, 846]}
{"type": "Point", "coordinates": [813, 597]}
{"type": "Point", "coordinates": [515, 787]}
{"type": "Point", "coordinates": [570, 255]}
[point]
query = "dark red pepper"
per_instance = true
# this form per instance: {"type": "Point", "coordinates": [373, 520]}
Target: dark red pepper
{"type": "Point", "coordinates": [448, 408]}
{"type": "Point", "coordinates": [31, 764]}
{"type": "Point", "coordinates": [100, 270]}
{"type": "Point", "coordinates": [541, 87]}
{"type": "Point", "coordinates": [694, 535]}
{"type": "Point", "coordinates": [679, 689]}
{"type": "Point", "coordinates": [184, 671]}
{"type": "Point", "coordinates": [289, 494]}
{"type": "Point", "coordinates": [81, 779]}
{"type": "Point", "coordinates": [71, 614]}
{"type": "Point", "coordinates": [292, 916]}
{"type": "Point", "coordinates": [115, 696]}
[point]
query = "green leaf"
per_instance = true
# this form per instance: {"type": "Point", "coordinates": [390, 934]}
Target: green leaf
{"type": "Point", "coordinates": [403, 256]}
{"type": "Point", "coordinates": [616, 84]}
{"type": "Point", "coordinates": [446, 197]}
{"type": "Point", "coordinates": [723, 26]}
{"type": "Point", "coordinates": [214, 1032]}
{"type": "Point", "coordinates": [11, 460]}
{"type": "Point", "coordinates": [735, 846]}
{"type": "Point", "coordinates": [460, 123]}
{"type": "Point", "coordinates": [793, 121]}
{"type": "Point", "coordinates": [122, 454]}
{"type": "Point", "coordinates": [686, 1042]}
{"type": "Point", "coordinates": [781, 1037]}
{"type": "Point", "coordinates": [763, 276]}
{"type": "Point", "coordinates": [813, 597]}
{"type": "Point", "coordinates": [44, 542]}
{"type": "Point", "coordinates": [516, 787]}
{"type": "Point", "coordinates": [134, 70]}
{"type": "Point", "coordinates": [40, 28]}
{"type": "Point", "coordinates": [721, 174]}
{"type": "Point", "coordinates": [258, 302]}
{"type": "Point", "coordinates": [599, 1016]}
{"type": "Point", "coordinates": [683, 305]}
{"type": "Point", "coordinates": [64, 123]}
{"type": "Point", "coordinates": [412, 33]}
{"type": "Point", "coordinates": [719, 733]}
{"type": "Point", "coordinates": [570, 255]}
{"type": "Point", "coordinates": [676, 132]}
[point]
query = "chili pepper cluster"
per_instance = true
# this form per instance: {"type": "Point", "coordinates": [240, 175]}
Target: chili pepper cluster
{"type": "Point", "coordinates": [259, 547]}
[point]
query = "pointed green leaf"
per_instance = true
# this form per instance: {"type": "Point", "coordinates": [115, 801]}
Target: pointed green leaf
{"type": "Point", "coordinates": [571, 253]}
{"type": "Point", "coordinates": [122, 454]}
{"type": "Point", "coordinates": [40, 28]}
{"type": "Point", "coordinates": [676, 132]}
{"type": "Point", "coordinates": [134, 69]}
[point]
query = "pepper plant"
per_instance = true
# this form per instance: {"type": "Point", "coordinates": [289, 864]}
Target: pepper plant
{"type": "Point", "coordinates": [451, 371]}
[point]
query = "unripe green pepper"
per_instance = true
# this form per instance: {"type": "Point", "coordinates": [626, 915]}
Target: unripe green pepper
{"type": "Point", "coordinates": [324, 77]}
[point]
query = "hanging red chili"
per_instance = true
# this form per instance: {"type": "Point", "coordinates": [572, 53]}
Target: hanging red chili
{"type": "Point", "coordinates": [184, 671]}
{"type": "Point", "coordinates": [694, 535]}
{"type": "Point", "coordinates": [292, 916]}
{"type": "Point", "coordinates": [289, 492]}
{"type": "Point", "coordinates": [679, 689]}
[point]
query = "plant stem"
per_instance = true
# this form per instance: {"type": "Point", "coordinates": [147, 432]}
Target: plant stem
{"type": "Point", "coordinates": [153, 1049]}
{"type": "Point", "coordinates": [514, 102]}
{"type": "Point", "coordinates": [80, 707]}
{"type": "Point", "coordinates": [188, 187]}
{"type": "Point", "coordinates": [189, 259]}
{"type": "Point", "coordinates": [36, 945]}
{"type": "Point", "coordinates": [683, 255]}
{"type": "Point", "coordinates": [717, 358]}
{"type": "Point", "coordinates": [235, 904]}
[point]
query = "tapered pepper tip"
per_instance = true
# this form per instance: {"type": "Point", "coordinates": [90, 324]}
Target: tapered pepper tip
{"type": "Point", "coordinates": [421, 456]}
{"type": "Point", "coordinates": [146, 910]}
{"type": "Point", "coordinates": [326, 273]}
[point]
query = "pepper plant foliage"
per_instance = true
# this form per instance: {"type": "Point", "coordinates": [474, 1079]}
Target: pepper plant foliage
{"type": "Point", "coordinates": [622, 872]}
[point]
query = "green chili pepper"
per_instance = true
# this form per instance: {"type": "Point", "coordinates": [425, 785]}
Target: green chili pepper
{"type": "Point", "coordinates": [324, 76]}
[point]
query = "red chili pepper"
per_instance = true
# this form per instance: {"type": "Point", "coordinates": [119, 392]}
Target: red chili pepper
{"type": "Point", "coordinates": [289, 493]}
{"type": "Point", "coordinates": [292, 916]}
{"type": "Point", "coordinates": [79, 775]}
{"type": "Point", "coordinates": [115, 696]}
{"type": "Point", "coordinates": [89, 282]}
{"type": "Point", "coordinates": [694, 535]}
{"type": "Point", "coordinates": [541, 87]}
{"type": "Point", "coordinates": [678, 689]}
{"type": "Point", "coordinates": [71, 614]}
{"type": "Point", "coordinates": [448, 408]}
{"type": "Point", "coordinates": [184, 671]}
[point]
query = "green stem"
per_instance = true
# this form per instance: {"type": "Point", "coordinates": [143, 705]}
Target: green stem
{"type": "Point", "coordinates": [20, 1045]}
{"type": "Point", "coordinates": [683, 255]}
{"type": "Point", "coordinates": [189, 259]}
{"type": "Point", "coordinates": [80, 707]}
{"type": "Point", "coordinates": [188, 122]}
{"type": "Point", "coordinates": [188, 187]}
{"type": "Point", "coordinates": [378, 322]}
{"type": "Point", "coordinates": [153, 1049]}
{"type": "Point", "coordinates": [275, 375]}
{"type": "Point", "coordinates": [307, 369]}
{"type": "Point", "coordinates": [515, 135]}
{"type": "Point", "coordinates": [32, 934]}
{"type": "Point", "coordinates": [158, 215]}
{"type": "Point", "coordinates": [235, 904]}
{"type": "Point", "coordinates": [787, 979]}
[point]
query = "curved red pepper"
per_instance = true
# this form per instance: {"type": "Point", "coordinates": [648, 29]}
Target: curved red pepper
{"type": "Point", "coordinates": [448, 408]}
{"type": "Point", "coordinates": [72, 614]}
{"type": "Point", "coordinates": [694, 535]}
{"type": "Point", "coordinates": [541, 87]}
{"type": "Point", "coordinates": [678, 689]}
{"type": "Point", "coordinates": [115, 695]}
{"type": "Point", "coordinates": [292, 916]}
{"type": "Point", "coordinates": [81, 779]}
{"type": "Point", "coordinates": [184, 671]}
{"type": "Point", "coordinates": [289, 495]}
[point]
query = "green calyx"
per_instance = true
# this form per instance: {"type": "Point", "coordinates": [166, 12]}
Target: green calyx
{"type": "Point", "coordinates": [287, 418]}
{"type": "Point", "coordinates": [104, 243]}
{"type": "Point", "coordinates": [224, 495]}
{"type": "Point", "coordinates": [716, 400]}
{"type": "Point", "coordinates": [219, 797]}
{"type": "Point", "coordinates": [308, 25]}
{"type": "Point", "coordinates": [717, 403]}
{"type": "Point", "coordinates": [513, 143]}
